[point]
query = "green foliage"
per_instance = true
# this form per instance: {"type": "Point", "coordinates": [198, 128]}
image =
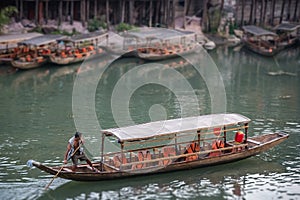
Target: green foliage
{"type": "Point", "coordinates": [5, 14]}
{"type": "Point", "coordinates": [95, 24]}
{"type": "Point", "coordinates": [124, 27]}
{"type": "Point", "coordinates": [232, 26]}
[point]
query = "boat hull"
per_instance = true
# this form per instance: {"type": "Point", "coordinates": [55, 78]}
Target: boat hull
{"type": "Point", "coordinates": [262, 51]}
{"type": "Point", "coordinates": [27, 65]}
{"type": "Point", "coordinates": [70, 60]}
{"type": "Point", "coordinates": [254, 146]}
{"type": "Point", "coordinates": [155, 57]}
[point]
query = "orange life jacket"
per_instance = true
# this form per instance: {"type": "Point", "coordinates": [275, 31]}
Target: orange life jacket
{"type": "Point", "coordinates": [217, 144]}
{"type": "Point", "coordinates": [118, 160]}
{"type": "Point", "coordinates": [192, 148]}
{"type": "Point", "coordinates": [63, 54]}
{"type": "Point", "coordinates": [142, 155]}
{"type": "Point", "coordinates": [28, 58]}
{"type": "Point", "coordinates": [91, 48]}
{"type": "Point", "coordinates": [167, 152]}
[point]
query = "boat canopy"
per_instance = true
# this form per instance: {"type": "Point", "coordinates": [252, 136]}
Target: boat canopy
{"type": "Point", "coordinates": [85, 37]}
{"type": "Point", "coordinates": [257, 31]}
{"type": "Point", "coordinates": [157, 33]}
{"type": "Point", "coordinates": [168, 127]}
{"type": "Point", "coordinates": [287, 27]}
{"type": "Point", "coordinates": [42, 40]}
{"type": "Point", "coordinates": [15, 38]}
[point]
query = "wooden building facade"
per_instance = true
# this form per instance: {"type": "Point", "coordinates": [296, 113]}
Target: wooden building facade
{"type": "Point", "coordinates": [161, 13]}
{"type": "Point", "coordinates": [267, 12]}
{"type": "Point", "coordinates": [138, 12]}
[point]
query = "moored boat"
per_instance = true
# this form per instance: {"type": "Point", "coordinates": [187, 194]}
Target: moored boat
{"type": "Point", "coordinates": [288, 34]}
{"type": "Point", "coordinates": [9, 45]}
{"type": "Point", "coordinates": [159, 43]}
{"type": "Point", "coordinates": [34, 52]}
{"type": "Point", "coordinates": [78, 48]}
{"type": "Point", "coordinates": [171, 145]}
{"type": "Point", "coordinates": [260, 41]}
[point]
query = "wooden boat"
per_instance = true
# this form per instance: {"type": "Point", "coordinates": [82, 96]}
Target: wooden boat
{"type": "Point", "coordinates": [171, 145]}
{"type": "Point", "coordinates": [22, 63]}
{"type": "Point", "coordinates": [167, 52]}
{"type": "Point", "coordinates": [34, 52]}
{"type": "Point", "coordinates": [78, 48]}
{"type": "Point", "coordinates": [9, 45]}
{"type": "Point", "coordinates": [288, 34]}
{"type": "Point", "coordinates": [159, 43]}
{"type": "Point", "coordinates": [260, 41]}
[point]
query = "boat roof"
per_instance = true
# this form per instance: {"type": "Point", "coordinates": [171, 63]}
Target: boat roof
{"type": "Point", "coordinates": [84, 37]}
{"type": "Point", "coordinates": [167, 127]}
{"type": "Point", "coordinates": [257, 31]}
{"type": "Point", "coordinates": [157, 33]}
{"type": "Point", "coordinates": [15, 38]}
{"type": "Point", "coordinates": [287, 27]}
{"type": "Point", "coordinates": [42, 40]}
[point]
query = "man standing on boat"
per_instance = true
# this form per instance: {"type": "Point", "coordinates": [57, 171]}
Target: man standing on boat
{"type": "Point", "coordinates": [75, 151]}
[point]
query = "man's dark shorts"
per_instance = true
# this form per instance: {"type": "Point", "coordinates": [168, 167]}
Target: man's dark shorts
{"type": "Point", "coordinates": [81, 157]}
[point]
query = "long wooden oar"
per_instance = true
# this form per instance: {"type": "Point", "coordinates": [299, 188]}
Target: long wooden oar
{"type": "Point", "coordinates": [61, 168]}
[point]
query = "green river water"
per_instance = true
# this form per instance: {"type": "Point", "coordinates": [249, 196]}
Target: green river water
{"type": "Point", "coordinates": [40, 110]}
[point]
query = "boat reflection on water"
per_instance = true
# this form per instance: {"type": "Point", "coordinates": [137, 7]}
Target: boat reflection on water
{"type": "Point", "coordinates": [202, 182]}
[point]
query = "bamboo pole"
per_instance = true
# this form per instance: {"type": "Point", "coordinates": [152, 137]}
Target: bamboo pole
{"type": "Point", "coordinates": [87, 10]}
{"type": "Point", "coordinates": [95, 9]}
{"type": "Point", "coordinates": [82, 13]}
{"type": "Point", "coordinates": [298, 16]}
{"type": "Point", "coordinates": [102, 151]}
{"type": "Point", "coordinates": [107, 13]}
{"type": "Point", "coordinates": [60, 7]}
{"type": "Point", "coordinates": [251, 12]}
{"type": "Point", "coordinates": [61, 169]}
{"type": "Point", "coordinates": [242, 17]}
{"type": "Point", "coordinates": [265, 3]}
{"type": "Point", "coordinates": [288, 11]}
{"type": "Point", "coordinates": [204, 16]}
{"type": "Point", "coordinates": [36, 12]}
{"type": "Point", "coordinates": [46, 11]}
{"type": "Point", "coordinates": [122, 11]}
{"type": "Point", "coordinates": [188, 6]}
{"type": "Point", "coordinates": [295, 11]}
{"type": "Point", "coordinates": [272, 11]}
{"type": "Point", "coordinates": [165, 11]}
{"type": "Point", "coordinates": [184, 14]}
{"type": "Point", "coordinates": [254, 12]}
{"type": "Point", "coordinates": [261, 12]}
{"type": "Point", "coordinates": [282, 11]}
{"type": "Point", "coordinates": [157, 12]}
{"type": "Point", "coordinates": [67, 10]}
{"type": "Point", "coordinates": [173, 13]}
{"type": "Point", "coordinates": [131, 11]}
{"type": "Point", "coordinates": [150, 13]}
{"type": "Point", "coordinates": [21, 9]}
{"type": "Point", "coordinates": [72, 12]}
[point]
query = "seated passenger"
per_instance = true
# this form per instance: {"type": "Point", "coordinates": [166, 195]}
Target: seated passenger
{"type": "Point", "coordinates": [192, 148]}
{"type": "Point", "coordinates": [217, 144]}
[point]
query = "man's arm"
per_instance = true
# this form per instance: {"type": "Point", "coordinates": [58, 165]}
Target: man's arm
{"type": "Point", "coordinates": [66, 154]}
